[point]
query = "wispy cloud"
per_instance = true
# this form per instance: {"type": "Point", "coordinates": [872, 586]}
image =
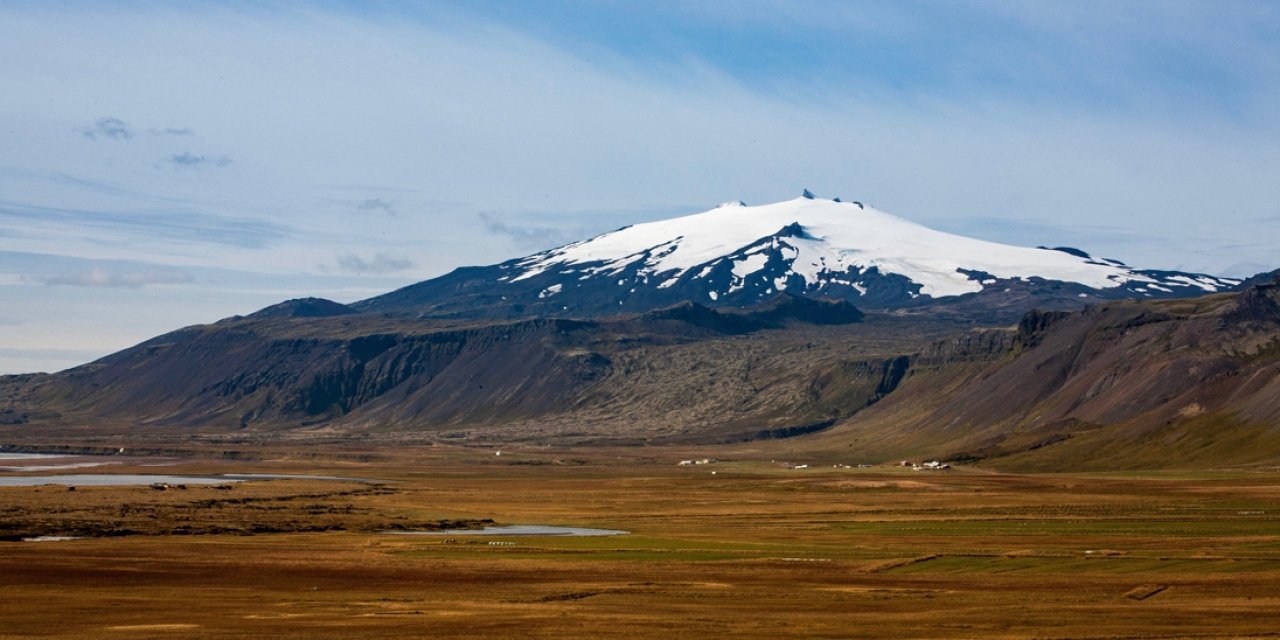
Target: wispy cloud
{"type": "Point", "coordinates": [108, 129]}
{"type": "Point", "coordinates": [62, 182]}
{"type": "Point", "coordinates": [1036, 233]}
{"type": "Point", "coordinates": [377, 204]}
{"type": "Point", "coordinates": [188, 160]}
{"type": "Point", "coordinates": [379, 264]}
{"type": "Point", "coordinates": [524, 236]}
{"type": "Point", "coordinates": [1248, 269]}
{"type": "Point", "coordinates": [104, 277]}
{"type": "Point", "coordinates": [172, 131]}
{"type": "Point", "coordinates": [186, 226]}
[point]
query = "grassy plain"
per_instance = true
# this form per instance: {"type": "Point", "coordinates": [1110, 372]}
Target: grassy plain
{"type": "Point", "coordinates": [754, 550]}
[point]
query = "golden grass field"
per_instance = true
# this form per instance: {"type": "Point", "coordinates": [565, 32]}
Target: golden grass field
{"type": "Point", "coordinates": [753, 550]}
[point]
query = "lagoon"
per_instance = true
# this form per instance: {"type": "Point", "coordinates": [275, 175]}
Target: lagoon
{"type": "Point", "coordinates": [109, 479]}
{"type": "Point", "coordinates": [516, 530]}
{"type": "Point", "coordinates": [56, 461]}
{"type": "Point", "coordinates": [293, 476]}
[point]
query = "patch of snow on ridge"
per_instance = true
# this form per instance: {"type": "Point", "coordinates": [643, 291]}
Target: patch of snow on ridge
{"type": "Point", "coordinates": [838, 237]}
{"type": "Point", "coordinates": [749, 265]}
{"type": "Point", "coordinates": [1208, 284]}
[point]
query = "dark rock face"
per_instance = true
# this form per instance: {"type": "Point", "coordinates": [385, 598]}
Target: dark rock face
{"type": "Point", "coordinates": [1259, 303]}
{"type": "Point", "coordinates": [979, 346]}
{"type": "Point", "coordinates": [786, 307]}
{"type": "Point", "coordinates": [1035, 324]}
{"type": "Point", "coordinates": [1269, 277]}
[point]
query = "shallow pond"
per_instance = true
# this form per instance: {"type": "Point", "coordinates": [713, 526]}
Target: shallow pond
{"type": "Point", "coordinates": [31, 462]}
{"type": "Point", "coordinates": [108, 480]}
{"type": "Point", "coordinates": [516, 530]}
{"type": "Point", "coordinates": [54, 467]}
{"type": "Point", "coordinates": [292, 476]}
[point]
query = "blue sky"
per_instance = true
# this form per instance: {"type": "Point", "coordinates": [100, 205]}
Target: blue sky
{"type": "Point", "coordinates": [165, 164]}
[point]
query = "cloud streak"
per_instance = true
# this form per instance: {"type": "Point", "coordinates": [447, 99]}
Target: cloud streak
{"type": "Point", "coordinates": [188, 160]}
{"type": "Point", "coordinates": [377, 204]}
{"type": "Point", "coordinates": [190, 226]}
{"type": "Point", "coordinates": [526, 237]}
{"type": "Point", "coordinates": [112, 278]}
{"type": "Point", "coordinates": [380, 264]}
{"type": "Point", "coordinates": [108, 129]}
{"type": "Point", "coordinates": [172, 131]}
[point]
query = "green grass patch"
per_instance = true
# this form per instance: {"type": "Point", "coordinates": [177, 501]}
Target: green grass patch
{"type": "Point", "coordinates": [997, 564]}
{"type": "Point", "coordinates": [1232, 527]}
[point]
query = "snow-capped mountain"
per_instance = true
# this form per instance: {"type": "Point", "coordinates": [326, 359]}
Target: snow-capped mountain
{"type": "Point", "coordinates": [739, 255]}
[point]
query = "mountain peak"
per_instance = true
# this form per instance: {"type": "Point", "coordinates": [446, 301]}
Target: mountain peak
{"type": "Point", "coordinates": [303, 308]}
{"type": "Point", "coordinates": [737, 255]}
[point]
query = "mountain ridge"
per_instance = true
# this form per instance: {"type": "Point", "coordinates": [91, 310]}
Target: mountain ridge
{"type": "Point", "coordinates": [736, 255]}
{"type": "Point", "coordinates": [543, 349]}
{"type": "Point", "coordinates": [1124, 384]}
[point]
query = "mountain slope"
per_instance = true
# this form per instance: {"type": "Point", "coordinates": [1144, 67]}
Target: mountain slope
{"type": "Point", "coordinates": [311, 364]}
{"type": "Point", "coordinates": [1128, 384]}
{"type": "Point", "coordinates": [735, 255]}
{"type": "Point", "coordinates": [1122, 385]}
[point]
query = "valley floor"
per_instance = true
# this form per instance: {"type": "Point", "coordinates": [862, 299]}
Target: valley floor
{"type": "Point", "coordinates": [742, 547]}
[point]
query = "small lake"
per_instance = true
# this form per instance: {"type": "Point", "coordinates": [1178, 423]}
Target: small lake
{"type": "Point", "coordinates": [27, 463]}
{"type": "Point", "coordinates": [108, 480]}
{"type": "Point", "coordinates": [54, 467]}
{"type": "Point", "coordinates": [30, 462]}
{"type": "Point", "coordinates": [516, 530]}
{"type": "Point", "coordinates": [292, 476]}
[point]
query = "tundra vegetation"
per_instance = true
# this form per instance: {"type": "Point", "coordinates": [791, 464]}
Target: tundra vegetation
{"type": "Point", "coordinates": [748, 544]}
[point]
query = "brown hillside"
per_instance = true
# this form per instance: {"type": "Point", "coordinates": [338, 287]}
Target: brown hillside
{"type": "Point", "coordinates": [1124, 385]}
